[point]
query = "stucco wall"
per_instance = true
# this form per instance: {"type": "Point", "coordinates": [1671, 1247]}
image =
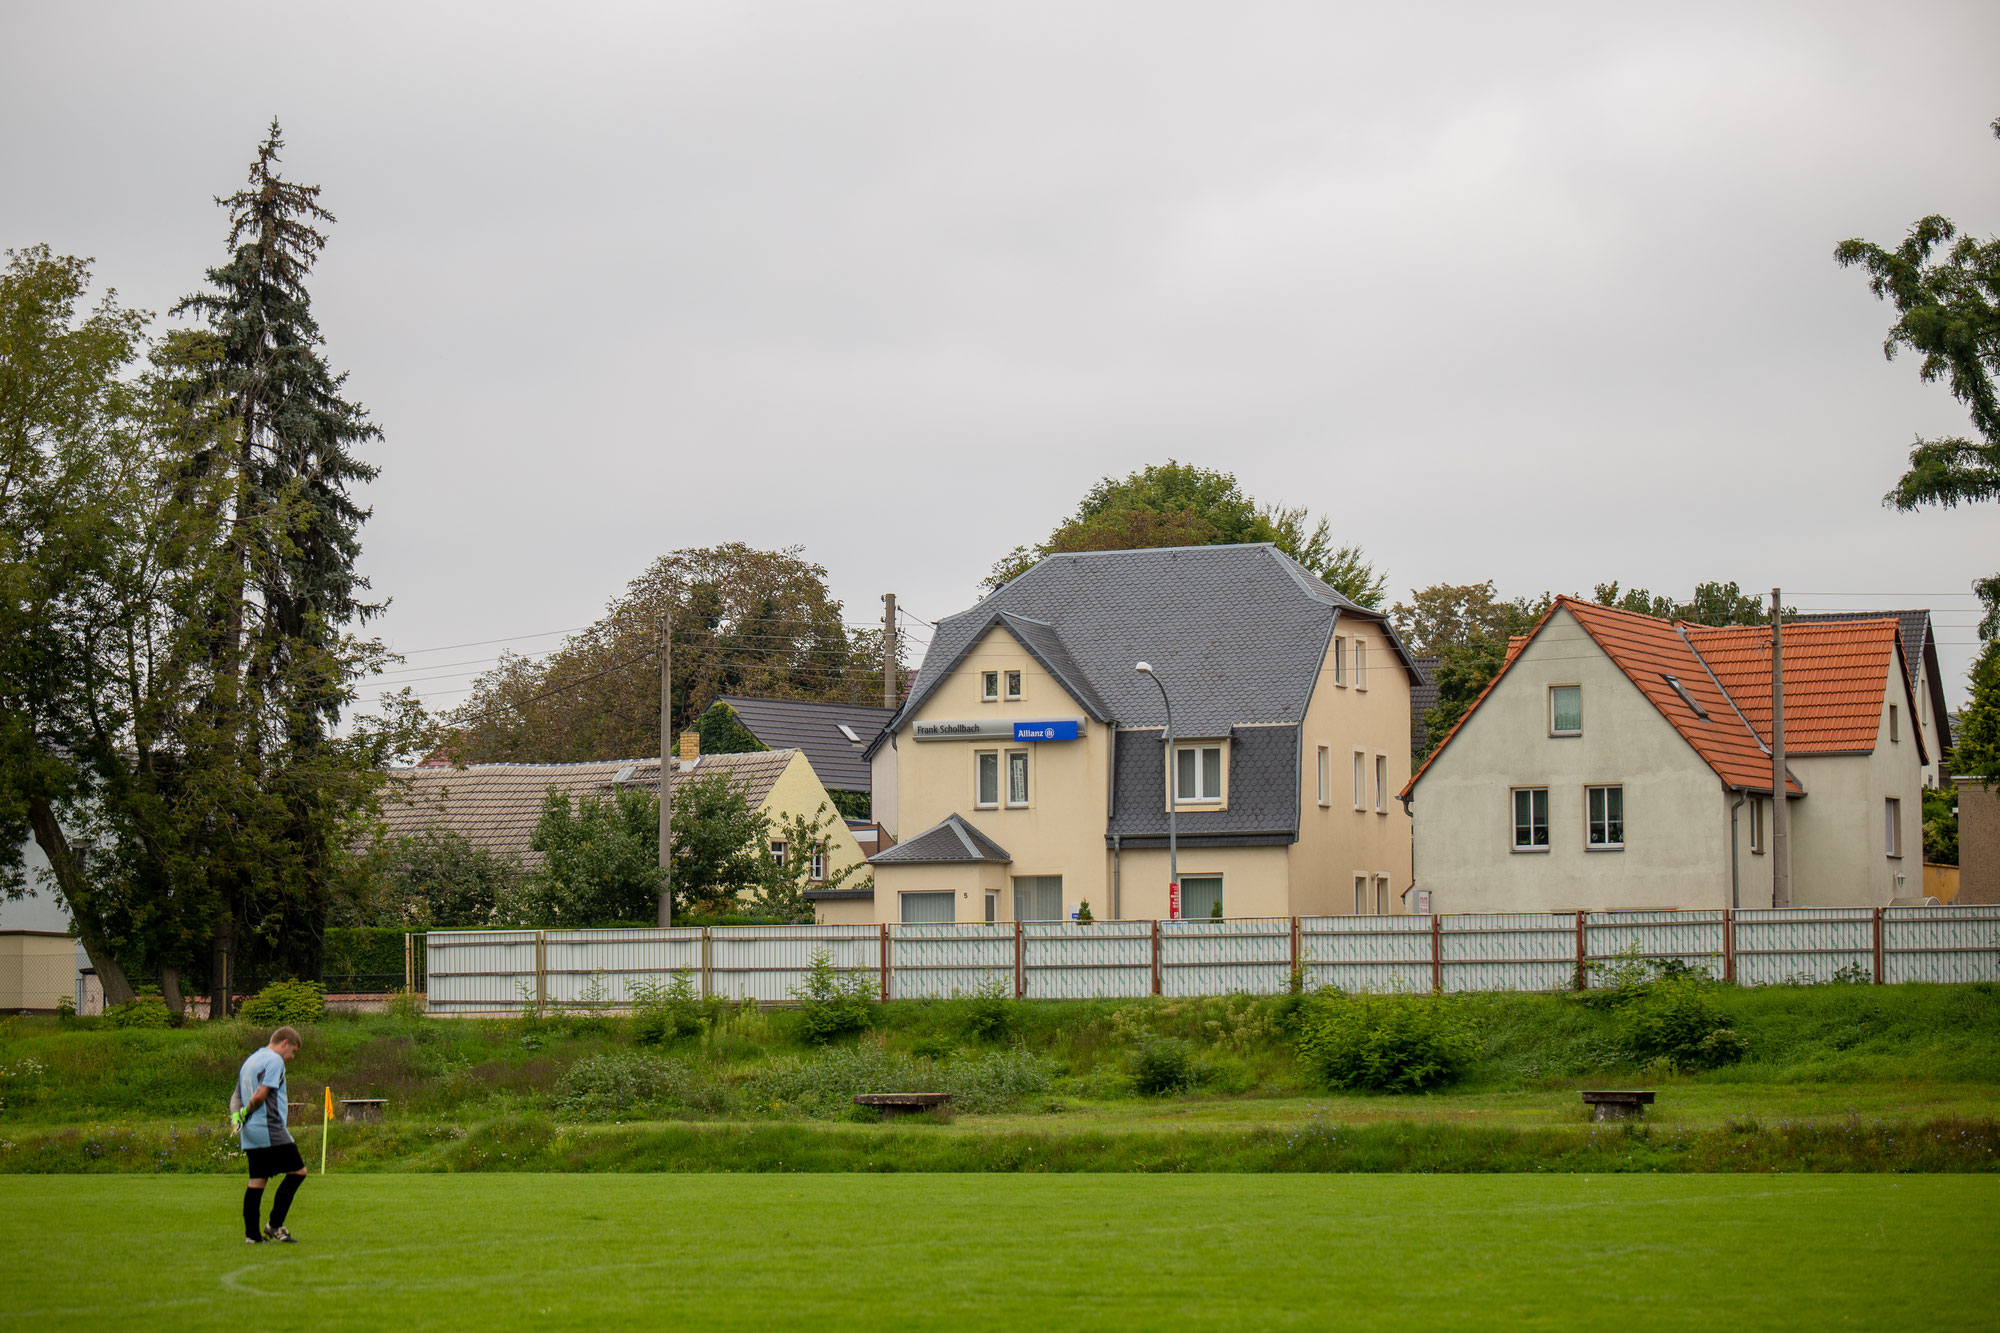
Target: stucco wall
{"type": "Point", "coordinates": [1978, 842]}
{"type": "Point", "coordinates": [971, 881]}
{"type": "Point", "coordinates": [1676, 818]}
{"type": "Point", "coordinates": [1840, 830]}
{"type": "Point", "coordinates": [1255, 880]}
{"type": "Point", "coordinates": [1336, 841]}
{"type": "Point", "coordinates": [845, 912]}
{"type": "Point", "coordinates": [36, 970]}
{"type": "Point", "coordinates": [799, 792]}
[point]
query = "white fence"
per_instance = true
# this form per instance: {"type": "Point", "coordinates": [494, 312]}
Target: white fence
{"type": "Point", "coordinates": [500, 971]}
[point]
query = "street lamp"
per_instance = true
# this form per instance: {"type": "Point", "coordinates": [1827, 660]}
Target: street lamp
{"type": "Point", "coordinates": [1173, 842]}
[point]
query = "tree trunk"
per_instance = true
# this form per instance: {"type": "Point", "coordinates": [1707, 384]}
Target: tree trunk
{"type": "Point", "coordinates": [68, 871]}
{"type": "Point", "coordinates": [219, 959]}
{"type": "Point", "coordinates": [170, 987]}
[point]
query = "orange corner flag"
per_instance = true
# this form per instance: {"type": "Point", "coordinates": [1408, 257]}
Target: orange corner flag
{"type": "Point", "coordinates": [325, 1127]}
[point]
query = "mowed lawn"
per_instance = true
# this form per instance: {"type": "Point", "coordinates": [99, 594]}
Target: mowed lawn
{"type": "Point", "coordinates": [1011, 1251]}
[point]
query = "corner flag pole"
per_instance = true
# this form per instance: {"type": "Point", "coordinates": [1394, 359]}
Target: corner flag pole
{"type": "Point", "coordinates": [325, 1127]}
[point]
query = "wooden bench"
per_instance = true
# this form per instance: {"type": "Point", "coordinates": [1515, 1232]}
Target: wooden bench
{"type": "Point", "coordinates": [361, 1108]}
{"type": "Point", "coordinates": [892, 1104]}
{"type": "Point", "coordinates": [1617, 1105]}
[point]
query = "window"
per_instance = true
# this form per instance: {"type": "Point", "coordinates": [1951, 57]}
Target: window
{"type": "Point", "coordinates": [1531, 819]}
{"type": "Point", "coordinates": [1198, 773]}
{"type": "Point", "coordinates": [1360, 780]}
{"type": "Point", "coordinates": [1382, 783]}
{"type": "Point", "coordinates": [986, 767]}
{"type": "Point", "coordinates": [992, 907]}
{"type": "Point", "coordinates": [777, 851]}
{"type": "Point", "coordinates": [853, 736]}
{"type": "Point", "coordinates": [817, 869]}
{"type": "Point", "coordinates": [1339, 660]}
{"type": "Point", "coordinates": [929, 909]}
{"type": "Point", "coordinates": [1604, 829]}
{"type": "Point", "coordinates": [1201, 897]}
{"type": "Point", "coordinates": [1892, 812]}
{"type": "Point", "coordinates": [1757, 825]}
{"type": "Point", "coordinates": [989, 685]}
{"type": "Point", "coordinates": [1038, 898]}
{"type": "Point", "coordinates": [1361, 895]}
{"type": "Point", "coordinates": [1895, 731]}
{"type": "Point", "coordinates": [1325, 776]}
{"type": "Point", "coordinates": [1017, 777]}
{"type": "Point", "coordinates": [1692, 705]}
{"type": "Point", "coordinates": [1381, 895]}
{"type": "Point", "coordinates": [1013, 684]}
{"type": "Point", "coordinates": [1360, 664]}
{"type": "Point", "coordinates": [1565, 710]}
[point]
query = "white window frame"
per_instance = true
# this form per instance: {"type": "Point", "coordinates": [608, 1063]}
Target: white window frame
{"type": "Point", "coordinates": [778, 851]}
{"type": "Point", "coordinates": [1014, 683]}
{"type": "Point", "coordinates": [816, 868]}
{"type": "Point", "coordinates": [989, 687]}
{"type": "Point", "coordinates": [1381, 895]}
{"type": "Point", "coordinates": [1361, 895]}
{"type": "Point", "coordinates": [1011, 758]}
{"type": "Point", "coordinates": [1892, 827]}
{"type": "Point", "coordinates": [1381, 784]}
{"type": "Point", "coordinates": [1530, 847]}
{"type": "Point", "coordinates": [1325, 775]}
{"type": "Point", "coordinates": [1361, 664]}
{"type": "Point", "coordinates": [1552, 709]}
{"type": "Point", "coordinates": [1756, 804]}
{"type": "Point", "coordinates": [1590, 819]}
{"type": "Point", "coordinates": [1203, 796]}
{"type": "Point", "coordinates": [1340, 660]}
{"type": "Point", "coordinates": [1360, 779]}
{"type": "Point", "coordinates": [1895, 727]}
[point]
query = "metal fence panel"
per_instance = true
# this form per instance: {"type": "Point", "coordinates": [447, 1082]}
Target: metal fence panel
{"type": "Point", "coordinates": [1509, 951]}
{"type": "Point", "coordinates": [767, 962]}
{"type": "Point", "coordinates": [479, 971]}
{"type": "Point", "coordinates": [1775, 946]}
{"type": "Point", "coordinates": [1354, 953]}
{"type": "Point", "coordinates": [938, 961]}
{"type": "Point", "coordinates": [1062, 960]}
{"type": "Point", "coordinates": [1247, 956]}
{"type": "Point", "coordinates": [602, 968]}
{"type": "Point", "coordinates": [1940, 944]}
{"type": "Point", "coordinates": [1691, 937]}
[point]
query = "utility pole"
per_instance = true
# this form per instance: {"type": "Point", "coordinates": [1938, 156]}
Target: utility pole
{"type": "Point", "coordinates": [1781, 817]}
{"type": "Point", "coordinates": [666, 769]}
{"type": "Point", "coordinates": [888, 650]}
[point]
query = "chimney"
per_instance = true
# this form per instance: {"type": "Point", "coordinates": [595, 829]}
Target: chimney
{"type": "Point", "coordinates": [690, 746]}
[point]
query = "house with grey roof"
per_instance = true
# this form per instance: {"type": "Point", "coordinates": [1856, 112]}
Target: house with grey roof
{"type": "Point", "coordinates": [1029, 769]}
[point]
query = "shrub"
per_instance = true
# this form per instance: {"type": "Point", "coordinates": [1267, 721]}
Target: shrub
{"type": "Point", "coordinates": [602, 1087]}
{"type": "Point", "coordinates": [663, 1015]}
{"type": "Point", "coordinates": [825, 1084]}
{"type": "Point", "coordinates": [1394, 1043]}
{"type": "Point", "coordinates": [1676, 1023]}
{"type": "Point", "coordinates": [831, 1006]}
{"type": "Point", "coordinates": [285, 1004]}
{"type": "Point", "coordinates": [1160, 1065]}
{"type": "Point", "coordinates": [989, 1012]}
{"type": "Point", "coordinates": [144, 1010]}
{"type": "Point", "coordinates": [406, 1004]}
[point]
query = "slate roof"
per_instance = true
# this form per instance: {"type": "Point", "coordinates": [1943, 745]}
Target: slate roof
{"type": "Point", "coordinates": [496, 806]}
{"type": "Point", "coordinates": [794, 724]}
{"type": "Point", "coordinates": [1236, 632]}
{"type": "Point", "coordinates": [952, 839]}
{"type": "Point", "coordinates": [1423, 697]}
{"type": "Point", "coordinates": [1263, 789]}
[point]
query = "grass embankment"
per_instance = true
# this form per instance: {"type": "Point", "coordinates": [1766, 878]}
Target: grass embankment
{"type": "Point", "coordinates": [1368, 1253]}
{"type": "Point", "coordinates": [1836, 1078]}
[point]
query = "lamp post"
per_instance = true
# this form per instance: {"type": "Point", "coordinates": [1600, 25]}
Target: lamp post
{"type": "Point", "coordinates": [1173, 842]}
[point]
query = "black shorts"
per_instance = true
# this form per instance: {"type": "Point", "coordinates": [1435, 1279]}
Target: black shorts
{"type": "Point", "coordinates": [275, 1161]}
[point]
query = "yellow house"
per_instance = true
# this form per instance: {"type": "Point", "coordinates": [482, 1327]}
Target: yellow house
{"type": "Point", "coordinates": [496, 806]}
{"type": "Point", "coordinates": [1028, 772]}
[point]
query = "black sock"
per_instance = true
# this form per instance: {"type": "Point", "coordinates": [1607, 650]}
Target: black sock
{"type": "Point", "coordinates": [283, 1203]}
{"type": "Point", "coordinates": [253, 1199]}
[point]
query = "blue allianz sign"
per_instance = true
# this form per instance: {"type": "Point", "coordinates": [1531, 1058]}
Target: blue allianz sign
{"type": "Point", "coordinates": [1047, 731]}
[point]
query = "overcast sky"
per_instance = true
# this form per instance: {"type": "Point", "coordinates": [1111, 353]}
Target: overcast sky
{"type": "Point", "coordinates": [1540, 293]}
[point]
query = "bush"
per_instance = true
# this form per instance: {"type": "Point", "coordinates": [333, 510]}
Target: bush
{"type": "Point", "coordinates": [285, 1004]}
{"type": "Point", "coordinates": [989, 1012]}
{"type": "Point", "coordinates": [663, 1015]}
{"type": "Point", "coordinates": [826, 1084]}
{"type": "Point", "coordinates": [1161, 1065]}
{"type": "Point", "coordinates": [1676, 1023]}
{"type": "Point", "coordinates": [1392, 1043]}
{"type": "Point", "coordinates": [144, 1010]}
{"type": "Point", "coordinates": [602, 1087]}
{"type": "Point", "coordinates": [831, 1006]}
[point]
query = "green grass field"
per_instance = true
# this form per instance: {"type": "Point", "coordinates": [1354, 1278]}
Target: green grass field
{"type": "Point", "coordinates": [841, 1251]}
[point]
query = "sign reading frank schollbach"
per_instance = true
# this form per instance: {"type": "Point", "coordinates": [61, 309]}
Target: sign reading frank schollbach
{"type": "Point", "coordinates": [992, 729]}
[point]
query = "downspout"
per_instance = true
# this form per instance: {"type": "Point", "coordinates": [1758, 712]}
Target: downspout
{"type": "Point", "coordinates": [1735, 888]}
{"type": "Point", "coordinates": [1116, 898]}
{"type": "Point", "coordinates": [1111, 813]}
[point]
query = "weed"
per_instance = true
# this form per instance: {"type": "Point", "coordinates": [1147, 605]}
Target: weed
{"type": "Point", "coordinates": [1397, 1043]}
{"type": "Point", "coordinates": [831, 1006]}
{"type": "Point", "coordinates": [1161, 1065]}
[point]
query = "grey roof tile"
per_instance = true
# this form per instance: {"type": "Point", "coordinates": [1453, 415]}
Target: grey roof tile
{"type": "Point", "coordinates": [1263, 787]}
{"type": "Point", "coordinates": [796, 724]}
{"type": "Point", "coordinates": [951, 839]}
{"type": "Point", "coordinates": [1423, 698]}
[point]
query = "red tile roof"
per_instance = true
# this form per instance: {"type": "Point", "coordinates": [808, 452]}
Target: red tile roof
{"type": "Point", "coordinates": [1834, 678]}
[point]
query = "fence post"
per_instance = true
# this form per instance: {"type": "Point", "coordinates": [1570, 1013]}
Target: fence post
{"type": "Point", "coordinates": [707, 963]}
{"type": "Point", "coordinates": [1437, 955]}
{"type": "Point", "coordinates": [1729, 945]}
{"type": "Point", "coordinates": [409, 961]}
{"type": "Point", "coordinates": [1156, 955]}
{"type": "Point", "coordinates": [1878, 946]}
{"type": "Point", "coordinates": [541, 972]}
{"type": "Point", "coordinates": [1295, 951]}
{"type": "Point", "coordinates": [1582, 970]}
{"type": "Point", "coordinates": [885, 962]}
{"type": "Point", "coordinates": [1020, 966]}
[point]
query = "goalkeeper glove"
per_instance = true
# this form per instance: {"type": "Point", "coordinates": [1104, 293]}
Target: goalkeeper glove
{"type": "Point", "coordinates": [237, 1117]}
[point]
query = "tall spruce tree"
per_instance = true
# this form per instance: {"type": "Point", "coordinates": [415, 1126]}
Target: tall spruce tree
{"type": "Point", "coordinates": [280, 661]}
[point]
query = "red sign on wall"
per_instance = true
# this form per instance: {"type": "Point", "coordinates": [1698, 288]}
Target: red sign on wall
{"type": "Point", "coordinates": [1173, 900]}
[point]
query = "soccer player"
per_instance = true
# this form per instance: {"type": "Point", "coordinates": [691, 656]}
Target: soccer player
{"type": "Point", "coordinates": [260, 1090]}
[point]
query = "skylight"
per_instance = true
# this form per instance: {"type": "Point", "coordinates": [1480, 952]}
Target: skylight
{"type": "Point", "coordinates": [1686, 698]}
{"type": "Point", "coordinates": [848, 732]}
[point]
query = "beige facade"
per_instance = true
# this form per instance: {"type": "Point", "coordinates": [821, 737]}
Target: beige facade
{"type": "Point", "coordinates": [1978, 841]}
{"type": "Point", "coordinates": [37, 968]}
{"type": "Point", "coordinates": [1844, 852]}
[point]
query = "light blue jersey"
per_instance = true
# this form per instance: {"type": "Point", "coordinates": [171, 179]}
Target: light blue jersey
{"type": "Point", "coordinates": [264, 1127]}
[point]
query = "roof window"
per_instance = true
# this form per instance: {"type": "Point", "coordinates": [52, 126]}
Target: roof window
{"type": "Point", "coordinates": [848, 732]}
{"type": "Point", "coordinates": [1686, 698]}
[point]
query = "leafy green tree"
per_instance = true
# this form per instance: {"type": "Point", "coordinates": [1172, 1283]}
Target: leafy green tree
{"type": "Point", "coordinates": [1712, 604]}
{"type": "Point", "coordinates": [1456, 615]}
{"type": "Point", "coordinates": [1179, 504]}
{"type": "Point", "coordinates": [723, 732]}
{"type": "Point", "coordinates": [1946, 290]}
{"type": "Point", "coordinates": [721, 845]}
{"type": "Point", "coordinates": [1941, 825]}
{"type": "Point", "coordinates": [602, 859]}
{"type": "Point", "coordinates": [1975, 751]}
{"type": "Point", "coordinates": [440, 879]}
{"type": "Point", "coordinates": [805, 840]}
